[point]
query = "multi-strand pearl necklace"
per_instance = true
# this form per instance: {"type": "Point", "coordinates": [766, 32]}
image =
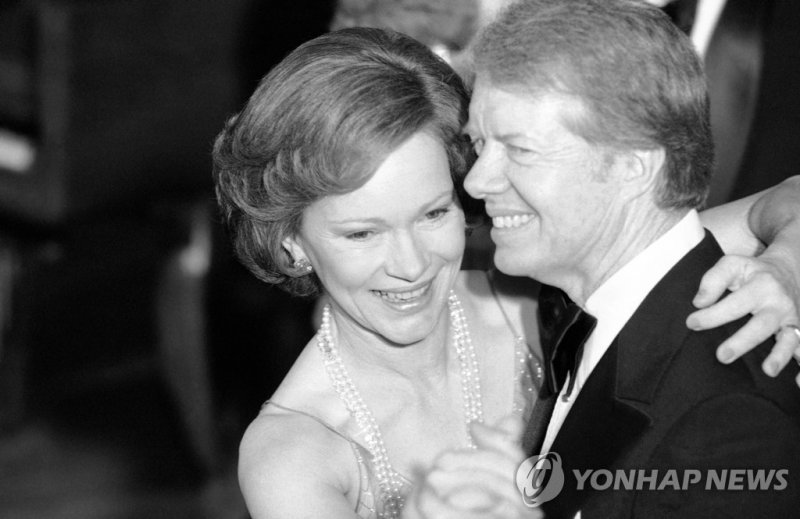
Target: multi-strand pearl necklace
{"type": "Point", "coordinates": [470, 370]}
{"type": "Point", "coordinates": [390, 482]}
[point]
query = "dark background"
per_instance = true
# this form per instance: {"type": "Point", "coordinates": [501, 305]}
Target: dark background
{"type": "Point", "coordinates": [134, 349]}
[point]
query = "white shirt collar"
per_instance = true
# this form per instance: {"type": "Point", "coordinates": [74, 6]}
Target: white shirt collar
{"type": "Point", "coordinates": [617, 299]}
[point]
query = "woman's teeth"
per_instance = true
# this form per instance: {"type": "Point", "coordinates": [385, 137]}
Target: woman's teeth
{"type": "Point", "coordinates": [505, 222]}
{"type": "Point", "coordinates": [401, 297]}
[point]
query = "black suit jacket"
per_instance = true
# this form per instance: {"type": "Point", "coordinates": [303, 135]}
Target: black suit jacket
{"type": "Point", "coordinates": [659, 400]}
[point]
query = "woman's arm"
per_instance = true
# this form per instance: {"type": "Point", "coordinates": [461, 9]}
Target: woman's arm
{"type": "Point", "coordinates": [731, 227]}
{"type": "Point", "coordinates": [775, 219]}
{"type": "Point", "coordinates": [768, 287]}
{"type": "Point", "coordinates": [285, 470]}
{"type": "Point", "coordinates": [744, 226]}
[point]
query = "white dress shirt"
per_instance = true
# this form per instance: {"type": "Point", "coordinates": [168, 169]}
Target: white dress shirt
{"type": "Point", "coordinates": [616, 300]}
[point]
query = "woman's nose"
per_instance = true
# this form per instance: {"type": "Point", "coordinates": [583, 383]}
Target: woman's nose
{"type": "Point", "coordinates": [408, 257]}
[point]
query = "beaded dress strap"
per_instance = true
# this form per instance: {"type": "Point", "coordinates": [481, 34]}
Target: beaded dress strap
{"type": "Point", "coordinates": [528, 372]}
{"type": "Point", "coordinates": [313, 417]}
{"type": "Point", "coordinates": [493, 288]}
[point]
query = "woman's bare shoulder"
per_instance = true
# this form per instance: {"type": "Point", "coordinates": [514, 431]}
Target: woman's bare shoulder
{"type": "Point", "coordinates": [281, 442]}
{"type": "Point", "coordinates": [291, 464]}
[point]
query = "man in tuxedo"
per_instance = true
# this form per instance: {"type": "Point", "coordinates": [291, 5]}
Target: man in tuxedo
{"type": "Point", "coordinates": [591, 123]}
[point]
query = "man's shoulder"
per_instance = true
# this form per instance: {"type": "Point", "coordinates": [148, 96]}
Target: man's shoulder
{"type": "Point", "coordinates": [657, 348]}
{"type": "Point", "coordinates": [674, 369]}
{"type": "Point", "coordinates": [696, 374]}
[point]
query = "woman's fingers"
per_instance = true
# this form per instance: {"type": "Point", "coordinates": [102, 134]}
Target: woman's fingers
{"type": "Point", "coordinates": [761, 289]}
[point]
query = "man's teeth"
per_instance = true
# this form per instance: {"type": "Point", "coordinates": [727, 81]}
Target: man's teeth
{"type": "Point", "coordinates": [399, 297]}
{"type": "Point", "coordinates": [504, 222]}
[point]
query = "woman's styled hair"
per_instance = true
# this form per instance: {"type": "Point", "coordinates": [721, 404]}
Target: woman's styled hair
{"type": "Point", "coordinates": [321, 123]}
{"type": "Point", "coordinates": [638, 76]}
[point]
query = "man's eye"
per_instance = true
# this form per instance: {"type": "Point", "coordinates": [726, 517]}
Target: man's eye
{"type": "Point", "coordinates": [516, 150]}
{"type": "Point", "coordinates": [523, 156]}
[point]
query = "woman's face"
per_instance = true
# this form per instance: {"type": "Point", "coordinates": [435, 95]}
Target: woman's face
{"type": "Point", "coordinates": [388, 253]}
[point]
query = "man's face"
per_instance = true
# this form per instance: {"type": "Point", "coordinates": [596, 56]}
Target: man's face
{"type": "Point", "coordinates": [545, 188]}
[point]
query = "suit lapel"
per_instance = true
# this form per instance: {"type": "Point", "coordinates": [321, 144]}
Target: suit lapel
{"type": "Point", "coordinates": [596, 430]}
{"type": "Point", "coordinates": [613, 407]}
{"type": "Point", "coordinates": [657, 330]}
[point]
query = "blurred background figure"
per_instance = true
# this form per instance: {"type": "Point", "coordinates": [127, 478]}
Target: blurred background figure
{"type": "Point", "coordinates": [751, 50]}
{"type": "Point", "coordinates": [445, 26]}
{"type": "Point", "coordinates": [127, 334]}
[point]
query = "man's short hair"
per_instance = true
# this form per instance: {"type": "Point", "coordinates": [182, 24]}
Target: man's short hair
{"type": "Point", "coordinates": [636, 73]}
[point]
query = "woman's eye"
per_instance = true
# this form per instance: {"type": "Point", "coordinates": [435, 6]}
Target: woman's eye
{"type": "Point", "coordinates": [358, 235]}
{"type": "Point", "coordinates": [437, 213]}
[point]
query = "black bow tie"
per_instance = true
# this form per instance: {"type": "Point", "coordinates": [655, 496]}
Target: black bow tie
{"type": "Point", "coordinates": [563, 329]}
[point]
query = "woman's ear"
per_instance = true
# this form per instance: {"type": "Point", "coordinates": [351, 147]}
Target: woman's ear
{"type": "Point", "coordinates": [295, 250]}
{"type": "Point", "coordinates": [301, 266]}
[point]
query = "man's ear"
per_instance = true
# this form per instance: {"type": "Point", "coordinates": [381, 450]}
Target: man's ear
{"type": "Point", "coordinates": [292, 245]}
{"type": "Point", "coordinates": [649, 164]}
{"type": "Point", "coordinates": [640, 170]}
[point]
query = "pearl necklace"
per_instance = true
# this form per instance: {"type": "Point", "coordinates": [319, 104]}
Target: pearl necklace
{"type": "Point", "coordinates": [390, 482]}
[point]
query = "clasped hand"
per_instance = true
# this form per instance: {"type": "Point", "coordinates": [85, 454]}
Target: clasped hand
{"type": "Point", "coordinates": [475, 483]}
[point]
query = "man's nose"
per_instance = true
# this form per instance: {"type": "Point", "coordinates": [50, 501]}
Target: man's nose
{"type": "Point", "coordinates": [486, 177]}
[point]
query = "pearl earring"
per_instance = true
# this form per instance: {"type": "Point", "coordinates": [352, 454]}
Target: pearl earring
{"type": "Point", "coordinates": [303, 266]}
